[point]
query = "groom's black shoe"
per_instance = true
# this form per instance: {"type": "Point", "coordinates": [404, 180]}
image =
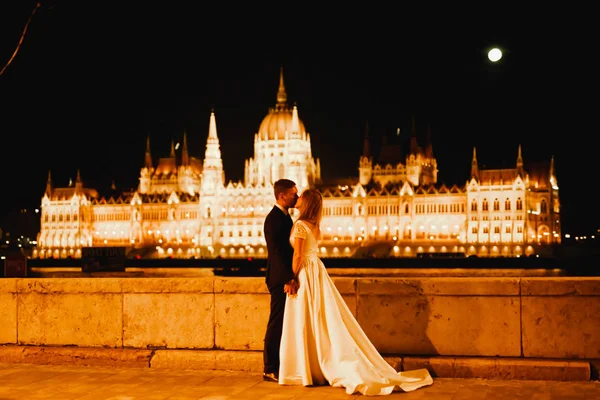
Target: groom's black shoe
{"type": "Point", "coordinates": [270, 377]}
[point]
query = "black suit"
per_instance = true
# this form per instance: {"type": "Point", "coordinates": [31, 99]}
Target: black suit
{"type": "Point", "coordinates": [277, 229]}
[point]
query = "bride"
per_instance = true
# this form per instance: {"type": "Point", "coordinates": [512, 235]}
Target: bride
{"type": "Point", "coordinates": [322, 343]}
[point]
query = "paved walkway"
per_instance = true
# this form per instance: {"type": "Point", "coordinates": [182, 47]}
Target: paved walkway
{"type": "Point", "coordinates": [29, 382]}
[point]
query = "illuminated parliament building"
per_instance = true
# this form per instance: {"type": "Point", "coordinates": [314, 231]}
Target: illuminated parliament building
{"type": "Point", "coordinates": [184, 207]}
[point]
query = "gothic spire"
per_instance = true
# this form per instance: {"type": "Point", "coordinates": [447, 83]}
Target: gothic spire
{"type": "Point", "coordinates": [474, 165]}
{"type": "Point", "coordinates": [212, 155]}
{"type": "Point", "coordinates": [78, 183]}
{"type": "Point", "coordinates": [281, 94]}
{"type": "Point", "coordinates": [148, 156]}
{"type": "Point", "coordinates": [185, 159]}
{"type": "Point", "coordinates": [552, 174]}
{"type": "Point", "coordinates": [49, 183]}
{"type": "Point", "coordinates": [212, 128]}
{"type": "Point", "coordinates": [520, 162]}
{"type": "Point", "coordinates": [212, 170]}
{"type": "Point", "coordinates": [295, 120]}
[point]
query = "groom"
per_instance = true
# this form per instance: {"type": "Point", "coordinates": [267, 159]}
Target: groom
{"type": "Point", "coordinates": [280, 277]}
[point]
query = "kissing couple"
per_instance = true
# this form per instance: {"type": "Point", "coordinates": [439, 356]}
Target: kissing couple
{"type": "Point", "coordinates": [312, 337]}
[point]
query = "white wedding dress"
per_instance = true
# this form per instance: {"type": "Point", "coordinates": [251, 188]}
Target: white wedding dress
{"type": "Point", "coordinates": [322, 343]}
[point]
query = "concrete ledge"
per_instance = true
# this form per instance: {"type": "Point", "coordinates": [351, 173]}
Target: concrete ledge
{"type": "Point", "coordinates": [555, 318]}
{"type": "Point", "coordinates": [248, 361]}
{"type": "Point", "coordinates": [502, 368]}
{"type": "Point", "coordinates": [82, 356]}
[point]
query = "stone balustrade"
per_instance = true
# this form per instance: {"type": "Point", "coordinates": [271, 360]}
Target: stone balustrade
{"type": "Point", "coordinates": [513, 317]}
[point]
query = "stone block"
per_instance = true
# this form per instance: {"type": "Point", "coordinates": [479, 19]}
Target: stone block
{"type": "Point", "coordinates": [8, 311]}
{"type": "Point", "coordinates": [241, 321]}
{"type": "Point", "coordinates": [169, 320]}
{"type": "Point", "coordinates": [561, 326]}
{"type": "Point", "coordinates": [421, 324]}
{"type": "Point", "coordinates": [53, 318]}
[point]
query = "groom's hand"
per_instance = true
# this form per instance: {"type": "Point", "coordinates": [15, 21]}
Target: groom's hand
{"type": "Point", "coordinates": [291, 287]}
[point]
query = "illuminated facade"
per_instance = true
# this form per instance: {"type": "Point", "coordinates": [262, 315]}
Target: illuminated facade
{"type": "Point", "coordinates": [184, 207]}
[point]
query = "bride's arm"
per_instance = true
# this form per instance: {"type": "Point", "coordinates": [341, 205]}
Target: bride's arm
{"type": "Point", "coordinates": [296, 260]}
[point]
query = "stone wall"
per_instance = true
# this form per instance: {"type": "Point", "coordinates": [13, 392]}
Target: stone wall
{"type": "Point", "coordinates": [537, 317]}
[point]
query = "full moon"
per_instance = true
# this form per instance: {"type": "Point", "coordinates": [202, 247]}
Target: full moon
{"type": "Point", "coordinates": [495, 54]}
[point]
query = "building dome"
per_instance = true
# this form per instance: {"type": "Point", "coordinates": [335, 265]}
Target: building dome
{"type": "Point", "coordinates": [277, 122]}
{"type": "Point", "coordinates": [280, 119]}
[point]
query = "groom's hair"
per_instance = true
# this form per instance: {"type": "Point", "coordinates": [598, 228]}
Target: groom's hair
{"type": "Point", "coordinates": [281, 186]}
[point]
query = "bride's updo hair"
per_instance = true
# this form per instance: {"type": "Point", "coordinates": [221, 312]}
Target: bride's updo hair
{"type": "Point", "coordinates": [312, 207]}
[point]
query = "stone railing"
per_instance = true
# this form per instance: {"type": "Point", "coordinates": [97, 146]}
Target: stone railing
{"type": "Point", "coordinates": [525, 318]}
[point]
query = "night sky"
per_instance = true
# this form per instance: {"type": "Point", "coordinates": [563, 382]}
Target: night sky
{"type": "Point", "coordinates": [92, 80]}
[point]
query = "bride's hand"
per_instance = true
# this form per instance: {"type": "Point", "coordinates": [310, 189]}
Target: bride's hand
{"type": "Point", "coordinates": [292, 288]}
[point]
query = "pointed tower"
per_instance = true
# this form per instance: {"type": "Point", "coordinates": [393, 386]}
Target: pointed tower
{"type": "Point", "coordinates": [365, 164]}
{"type": "Point", "coordinates": [429, 163]}
{"type": "Point", "coordinates": [414, 161]}
{"type": "Point", "coordinates": [295, 121]}
{"type": "Point", "coordinates": [147, 171]}
{"type": "Point", "coordinates": [281, 94]}
{"type": "Point", "coordinates": [78, 183]}
{"type": "Point", "coordinates": [474, 165]}
{"type": "Point", "coordinates": [188, 177]}
{"type": "Point", "coordinates": [185, 158]}
{"type": "Point", "coordinates": [172, 153]}
{"type": "Point", "coordinates": [520, 169]}
{"type": "Point", "coordinates": [148, 156]}
{"type": "Point", "coordinates": [213, 176]}
{"type": "Point", "coordinates": [49, 184]}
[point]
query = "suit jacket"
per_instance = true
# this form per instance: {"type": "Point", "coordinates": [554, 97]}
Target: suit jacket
{"type": "Point", "coordinates": [277, 229]}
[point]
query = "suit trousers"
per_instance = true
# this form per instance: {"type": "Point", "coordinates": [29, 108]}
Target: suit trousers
{"type": "Point", "coordinates": [274, 329]}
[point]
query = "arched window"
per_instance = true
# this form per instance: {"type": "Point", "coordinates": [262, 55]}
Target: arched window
{"type": "Point", "coordinates": [474, 205]}
{"type": "Point", "coordinates": [543, 207]}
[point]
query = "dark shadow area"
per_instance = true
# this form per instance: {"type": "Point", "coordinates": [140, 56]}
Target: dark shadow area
{"type": "Point", "coordinates": [566, 265]}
